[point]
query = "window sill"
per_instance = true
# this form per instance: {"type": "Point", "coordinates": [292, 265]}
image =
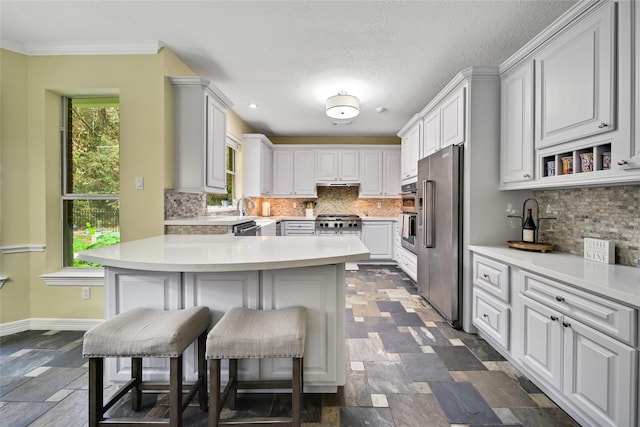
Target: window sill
{"type": "Point", "coordinates": [75, 277]}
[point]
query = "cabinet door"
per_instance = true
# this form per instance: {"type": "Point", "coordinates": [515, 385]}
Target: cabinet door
{"type": "Point", "coordinates": [282, 173]}
{"type": "Point", "coordinates": [321, 291]}
{"type": "Point", "coordinates": [391, 173]}
{"type": "Point", "coordinates": [575, 78]}
{"type": "Point", "coordinates": [377, 236]}
{"type": "Point", "coordinates": [266, 170]}
{"type": "Point", "coordinates": [221, 292]}
{"type": "Point", "coordinates": [431, 134]}
{"type": "Point", "coordinates": [216, 140]}
{"type": "Point", "coordinates": [636, 149]}
{"type": "Point", "coordinates": [542, 336]}
{"type": "Point", "coordinates": [516, 139]}
{"type": "Point", "coordinates": [304, 173]}
{"type": "Point", "coordinates": [127, 289]}
{"type": "Point", "coordinates": [348, 166]}
{"type": "Point", "coordinates": [327, 165]}
{"type": "Point", "coordinates": [372, 173]}
{"type": "Point", "coordinates": [600, 374]}
{"type": "Point", "coordinates": [410, 148]}
{"type": "Point", "coordinates": [452, 119]}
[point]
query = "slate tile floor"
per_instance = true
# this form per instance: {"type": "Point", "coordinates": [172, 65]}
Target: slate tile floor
{"type": "Point", "coordinates": [405, 367]}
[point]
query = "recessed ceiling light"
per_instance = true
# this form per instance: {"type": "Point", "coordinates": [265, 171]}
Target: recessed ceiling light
{"type": "Point", "coordinates": [381, 109]}
{"type": "Point", "coordinates": [254, 106]}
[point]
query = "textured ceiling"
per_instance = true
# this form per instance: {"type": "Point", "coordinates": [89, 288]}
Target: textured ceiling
{"type": "Point", "coordinates": [289, 56]}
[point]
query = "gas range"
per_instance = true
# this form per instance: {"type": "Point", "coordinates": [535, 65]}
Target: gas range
{"type": "Point", "coordinates": [338, 224]}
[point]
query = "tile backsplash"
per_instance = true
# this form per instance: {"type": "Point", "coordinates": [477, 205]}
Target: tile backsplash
{"type": "Point", "coordinates": [609, 213]}
{"type": "Point", "coordinates": [330, 200]}
{"type": "Point", "coordinates": [343, 200]}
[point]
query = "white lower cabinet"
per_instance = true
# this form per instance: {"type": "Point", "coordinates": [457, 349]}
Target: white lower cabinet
{"type": "Point", "coordinates": [581, 349]}
{"type": "Point", "coordinates": [377, 236]}
{"type": "Point", "coordinates": [314, 288]}
{"type": "Point", "coordinates": [595, 372]}
{"type": "Point", "coordinates": [320, 289]}
{"type": "Point", "coordinates": [406, 260]}
{"type": "Point", "coordinates": [299, 228]}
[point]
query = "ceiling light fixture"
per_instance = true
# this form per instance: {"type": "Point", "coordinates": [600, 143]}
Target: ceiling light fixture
{"type": "Point", "coordinates": [343, 106]}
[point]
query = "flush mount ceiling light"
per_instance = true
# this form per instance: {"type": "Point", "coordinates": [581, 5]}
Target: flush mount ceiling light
{"type": "Point", "coordinates": [343, 106]}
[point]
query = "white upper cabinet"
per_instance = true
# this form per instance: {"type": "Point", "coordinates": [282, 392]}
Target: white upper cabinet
{"type": "Point", "coordinates": [294, 173]}
{"type": "Point", "coordinates": [304, 173]}
{"type": "Point", "coordinates": [337, 166]}
{"type": "Point", "coordinates": [380, 173]}
{"type": "Point", "coordinates": [431, 141]}
{"type": "Point", "coordinates": [258, 165]}
{"type": "Point", "coordinates": [575, 77]}
{"type": "Point", "coordinates": [282, 173]}
{"type": "Point", "coordinates": [444, 124]}
{"type": "Point", "coordinates": [199, 135]}
{"type": "Point", "coordinates": [410, 152]}
{"type": "Point", "coordinates": [517, 124]}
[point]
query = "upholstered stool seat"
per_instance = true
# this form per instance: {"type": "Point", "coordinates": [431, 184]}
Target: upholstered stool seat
{"type": "Point", "coordinates": [244, 333]}
{"type": "Point", "coordinates": [145, 332]}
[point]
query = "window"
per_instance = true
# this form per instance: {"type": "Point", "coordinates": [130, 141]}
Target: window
{"type": "Point", "coordinates": [226, 199]}
{"type": "Point", "coordinates": [90, 175]}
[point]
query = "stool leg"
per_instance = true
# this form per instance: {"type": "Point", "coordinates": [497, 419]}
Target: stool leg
{"type": "Point", "coordinates": [233, 379]}
{"type": "Point", "coordinates": [175, 391]}
{"type": "Point", "coordinates": [96, 388]}
{"type": "Point", "coordinates": [202, 371]}
{"type": "Point", "coordinates": [214, 393]}
{"type": "Point", "coordinates": [136, 392]}
{"type": "Point", "coordinates": [296, 392]}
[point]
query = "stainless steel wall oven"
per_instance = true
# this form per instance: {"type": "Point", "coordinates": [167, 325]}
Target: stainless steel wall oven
{"type": "Point", "coordinates": [409, 217]}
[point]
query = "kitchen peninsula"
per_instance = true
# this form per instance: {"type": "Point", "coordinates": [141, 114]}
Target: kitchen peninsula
{"type": "Point", "coordinates": [171, 272]}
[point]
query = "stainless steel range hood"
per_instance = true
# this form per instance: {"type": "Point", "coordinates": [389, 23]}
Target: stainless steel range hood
{"type": "Point", "coordinates": [337, 184]}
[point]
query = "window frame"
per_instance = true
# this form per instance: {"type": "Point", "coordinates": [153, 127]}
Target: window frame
{"type": "Point", "coordinates": [66, 196]}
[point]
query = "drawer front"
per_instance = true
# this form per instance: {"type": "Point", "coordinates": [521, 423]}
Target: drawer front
{"type": "Point", "coordinates": [491, 316]}
{"type": "Point", "coordinates": [300, 225]}
{"type": "Point", "coordinates": [607, 316]}
{"type": "Point", "coordinates": [491, 276]}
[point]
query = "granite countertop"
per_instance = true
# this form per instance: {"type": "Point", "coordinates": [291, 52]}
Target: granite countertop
{"type": "Point", "coordinates": [618, 282]}
{"type": "Point", "coordinates": [194, 253]}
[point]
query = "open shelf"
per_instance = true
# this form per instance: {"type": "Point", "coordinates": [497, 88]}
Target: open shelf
{"type": "Point", "coordinates": [585, 160]}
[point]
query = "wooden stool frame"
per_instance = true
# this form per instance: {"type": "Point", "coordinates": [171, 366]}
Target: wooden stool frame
{"type": "Point", "coordinates": [177, 404]}
{"type": "Point", "coordinates": [218, 399]}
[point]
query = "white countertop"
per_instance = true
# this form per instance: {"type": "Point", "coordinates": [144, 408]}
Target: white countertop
{"type": "Point", "coordinates": [614, 281]}
{"type": "Point", "coordinates": [194, 253]}
{"type": "Point", "coordinates": [211, 220]}
{"type": "Point", "coordinates": [234, 220]}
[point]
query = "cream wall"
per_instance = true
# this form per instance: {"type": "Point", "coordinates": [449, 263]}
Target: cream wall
{"type": "Point", "coordinates": [30, 211]}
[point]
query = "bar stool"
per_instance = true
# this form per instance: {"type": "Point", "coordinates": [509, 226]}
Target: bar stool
{"type": "Point", "coordinates": [145, 332]}
{"type": "Point", "coordinates": [244, 333]}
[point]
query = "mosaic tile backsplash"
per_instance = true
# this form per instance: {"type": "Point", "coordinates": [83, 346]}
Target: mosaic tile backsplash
{"type": "Point", "coordinates": [330, 200]}
{"type": "Point", "coordinates": [609, 213]}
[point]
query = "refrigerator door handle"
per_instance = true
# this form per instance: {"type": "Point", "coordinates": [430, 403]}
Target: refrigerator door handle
{"type": "Point", "coordinates": [429, 212]}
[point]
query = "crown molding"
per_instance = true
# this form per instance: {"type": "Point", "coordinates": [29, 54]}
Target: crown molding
{"type": "Point", "coordinates": [143, 47]}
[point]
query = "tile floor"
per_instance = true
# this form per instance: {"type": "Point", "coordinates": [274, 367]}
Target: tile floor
{"type": "Point", "coordinates": [405, 367]}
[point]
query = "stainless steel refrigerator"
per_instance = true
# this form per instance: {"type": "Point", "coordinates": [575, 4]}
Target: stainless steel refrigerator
{"type": "Point", "coordinates": [439, 232]}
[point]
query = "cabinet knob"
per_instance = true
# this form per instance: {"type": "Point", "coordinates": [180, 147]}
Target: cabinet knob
{"type": "Point", "coordinates": [602, 125]}
{"type": "Point", "coordinates": [566, 325]}
{"type": "Point", "coordinates": [526, 175]}
{"type": "Point", "coordinates": [486, 276]}
{"type": "Point", "coordinates": [485, 315]}
{"type": "Point", "coordinates": [554, 318]}
{"type": "Point", "coordinates": [622, 162]}
{"type": "Point", "coordinates": [559, 298]}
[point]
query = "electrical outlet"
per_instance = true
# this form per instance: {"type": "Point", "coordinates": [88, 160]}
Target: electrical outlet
{"type": "Point", "coordinates": [379, 205]}
{"type": "Point", "coordinates": [294, 205]}
{"type": "Point", "coordinates": [86, 293]}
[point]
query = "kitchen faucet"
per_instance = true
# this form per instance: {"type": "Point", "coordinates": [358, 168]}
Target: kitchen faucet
{"type": "Point", "coordinates": [240, 206]}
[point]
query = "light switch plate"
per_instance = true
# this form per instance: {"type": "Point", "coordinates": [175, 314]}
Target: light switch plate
{"type": "Point", "coordinates": [139, 183]}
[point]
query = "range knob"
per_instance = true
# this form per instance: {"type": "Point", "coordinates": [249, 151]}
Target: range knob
{"type": "Point", "coordinates": [335, 225]}
{"type": "Point", "coordinates": [341, 224]}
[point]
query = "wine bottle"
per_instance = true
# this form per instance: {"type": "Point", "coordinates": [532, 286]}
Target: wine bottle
{"type": "Point", "coordinates": [529, 229]}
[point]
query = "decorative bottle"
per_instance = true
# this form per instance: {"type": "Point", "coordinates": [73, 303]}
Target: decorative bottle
{"type": "Point", "coordinates": [529, 229]}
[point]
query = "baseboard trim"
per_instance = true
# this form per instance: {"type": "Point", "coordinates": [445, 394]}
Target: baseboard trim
{"type": "Point", "coordinates": [45, 324]}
